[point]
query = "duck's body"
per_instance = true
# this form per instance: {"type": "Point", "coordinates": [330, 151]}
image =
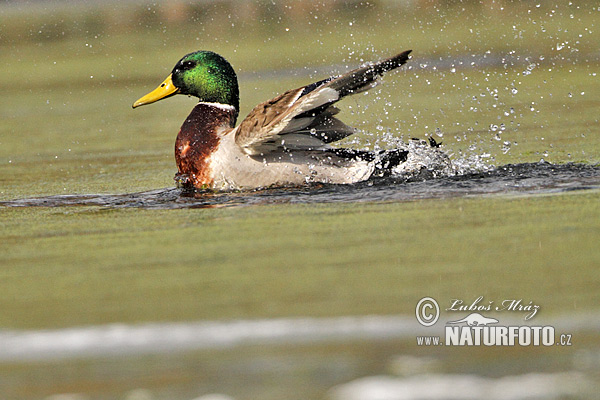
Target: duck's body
{"type": "Point", "coordinates": [208, 156]}
{"type": "Point", "coordinates": [282, 142]}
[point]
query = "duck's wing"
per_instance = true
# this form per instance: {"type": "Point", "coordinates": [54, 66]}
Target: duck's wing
{"type": "Point", "coordinates": [304, 118]}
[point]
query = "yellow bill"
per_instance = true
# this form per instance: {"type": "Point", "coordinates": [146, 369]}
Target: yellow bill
{"type": "Point", "coordinates": [164, 90]}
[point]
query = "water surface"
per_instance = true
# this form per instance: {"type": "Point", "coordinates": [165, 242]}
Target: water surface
{"type": "Point", "coordinates": [516, 179]}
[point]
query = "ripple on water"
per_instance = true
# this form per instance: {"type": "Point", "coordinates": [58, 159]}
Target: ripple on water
{"type": "Point", "coordinates": [530, 178]}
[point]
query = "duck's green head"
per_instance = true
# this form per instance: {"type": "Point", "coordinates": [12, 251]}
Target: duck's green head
{"type": "Point", "coordinates": [203, 74]}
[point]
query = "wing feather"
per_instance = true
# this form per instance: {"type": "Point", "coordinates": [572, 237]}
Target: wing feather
{"type": "Point", "coordinates": [303, 118]}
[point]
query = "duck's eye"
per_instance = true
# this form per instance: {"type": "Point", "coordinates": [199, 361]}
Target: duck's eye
{"type": "Point", "coordinates": [187, 65]}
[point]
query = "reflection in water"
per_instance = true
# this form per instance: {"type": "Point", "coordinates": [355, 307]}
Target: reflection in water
{"type": "Point", "coordinates": [117, 340]}
{"type": "Point", "coordinates": [533, 178]}
{"type": "Point", "coordinates": [466, 387]}
{"type": "Point", "coordinates": [338, 358]}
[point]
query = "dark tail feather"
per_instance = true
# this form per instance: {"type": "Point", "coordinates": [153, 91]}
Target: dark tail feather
{"type": "Point", "coordinates": [362, 78]}
{"type": "Point", "coordinates": [386, 160]}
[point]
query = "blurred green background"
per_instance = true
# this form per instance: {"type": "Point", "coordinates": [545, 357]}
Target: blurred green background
{"type": "Point", "coordinates": [72, 70]}
{"type": "Point", "coordinates": [499, 81]}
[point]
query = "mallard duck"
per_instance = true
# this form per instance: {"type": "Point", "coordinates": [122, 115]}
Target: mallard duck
{"type": "Point", "coordinates": [282, 142]}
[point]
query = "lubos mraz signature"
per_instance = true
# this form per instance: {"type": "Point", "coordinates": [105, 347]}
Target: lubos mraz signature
{"type": "Point", "coordinates": [506, 305]}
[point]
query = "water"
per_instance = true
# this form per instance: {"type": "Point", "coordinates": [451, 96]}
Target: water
{"type": "Point", "coordinates": [515, 179]}
{"type": "Point", "coordinates": [361, 357]}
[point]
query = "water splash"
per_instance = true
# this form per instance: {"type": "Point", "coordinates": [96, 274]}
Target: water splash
{"type": "Point", "coordinates": [521, 179]}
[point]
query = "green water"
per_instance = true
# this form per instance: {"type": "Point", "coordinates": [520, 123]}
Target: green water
{"type": "Point", "coordinates": [67, 127]}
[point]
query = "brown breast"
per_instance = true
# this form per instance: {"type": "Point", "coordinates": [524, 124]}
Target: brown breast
{"type": "Point", "coordinates": [198, 138]}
